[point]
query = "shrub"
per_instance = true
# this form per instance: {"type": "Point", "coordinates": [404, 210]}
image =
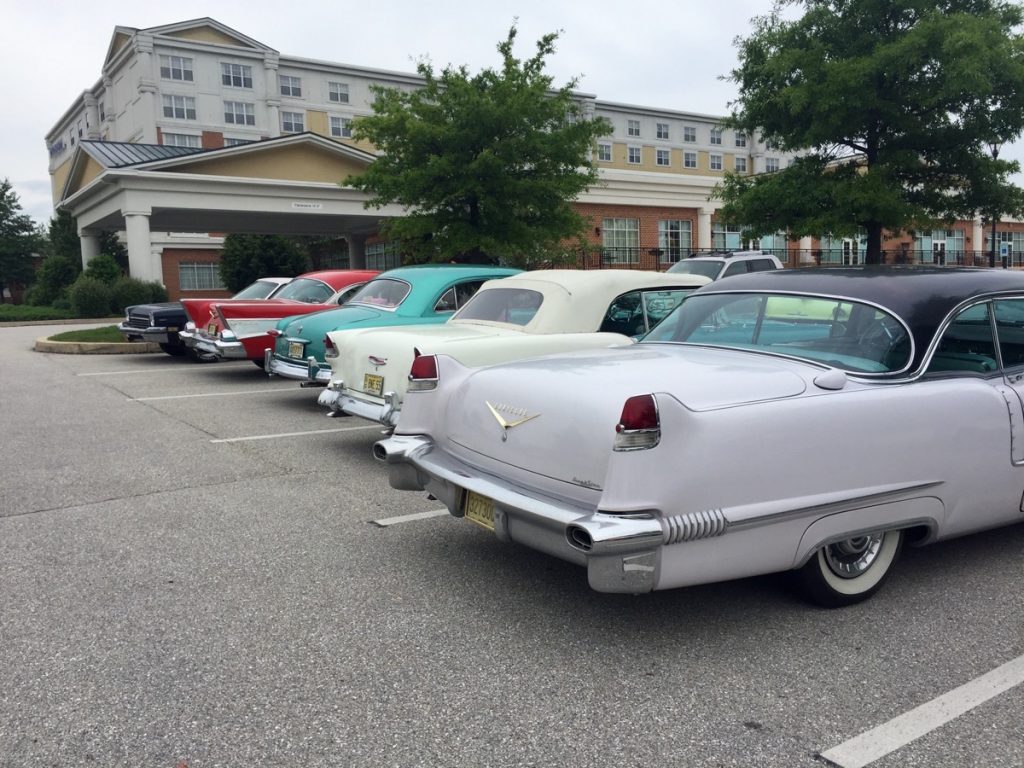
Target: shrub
{"type": "Point", "coordinates": [157, 293]}
{"type": "Point", "coordinates": [103, 268]}
{"type": "Point", "coordinates": [127, 291]}
{"type": "Point", "coordinates": [55, 274]}
{"type": "Point", "coordinates": [90, 297]}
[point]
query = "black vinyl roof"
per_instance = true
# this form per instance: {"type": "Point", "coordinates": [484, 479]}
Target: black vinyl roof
{"type": "Point", "coordinates": [119, 154]}
{"type": "Point", "coordinates": [922, 296]}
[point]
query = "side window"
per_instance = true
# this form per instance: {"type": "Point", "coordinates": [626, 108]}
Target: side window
{"type": "Point", "coordinates": [966, 345]}
{"type": "Point", "coordinates": [761, 265]}
{"type": "Point", "coordinates": [349, 292]}
{"type": "Point", "coordinates": [657, 305]}
{"type": "Point", "coordinates": [624, 315]}
{"type": "Point", "coordinates": [464, 291]}
{"type": "Point", "coordinates": [736, 268]}
{"type": "Point", "coordinates": [1009, 314]}
{"type": "Point", "coordinates": [447, 302]}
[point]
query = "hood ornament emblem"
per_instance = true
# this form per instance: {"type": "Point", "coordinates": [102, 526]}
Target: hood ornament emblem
{"type": "Point", "coordinates": [507, 424]}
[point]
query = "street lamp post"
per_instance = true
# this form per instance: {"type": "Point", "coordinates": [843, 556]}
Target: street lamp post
{"type": "Point", "coordinates": [994, 147]}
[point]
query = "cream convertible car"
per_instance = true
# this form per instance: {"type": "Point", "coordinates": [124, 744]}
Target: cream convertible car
{"type": "Point", "coordinates": [529, 314]}
{"type": "Point", "coordinates": [865, 407]}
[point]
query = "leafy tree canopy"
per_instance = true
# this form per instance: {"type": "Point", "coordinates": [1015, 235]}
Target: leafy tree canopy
{"type": "Point", "coordinates": [19, 239]}
{"type": "Point", "coordinates": [247, 258]}
{"type": "Point", "coordinates": [893, 109]}
{"type": "Point", "coordinates": [486, 164]}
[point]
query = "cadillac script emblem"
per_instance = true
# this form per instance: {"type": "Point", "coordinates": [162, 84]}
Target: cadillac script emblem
{"type": "Point", "coordinates": [502, 412]}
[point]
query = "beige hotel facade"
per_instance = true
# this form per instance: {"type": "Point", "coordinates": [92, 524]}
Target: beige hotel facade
{"type": "Point", "coordinates": [195, 130]}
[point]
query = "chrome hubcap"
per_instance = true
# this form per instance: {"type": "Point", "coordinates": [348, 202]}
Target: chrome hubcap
{"type": "Point", "coordinates": [849, 559]}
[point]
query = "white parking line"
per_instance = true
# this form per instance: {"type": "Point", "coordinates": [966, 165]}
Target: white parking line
{"type": "Point", "coordinates": [213, 394]}
{"type": "Point", "coordinates": [293, 434]}
{"type": "Point", "coordinates": [118, 373]}
{"type": "Point", "coordinates": [386, 521]}
{"type": "Point", "coordinates": [878, 742]}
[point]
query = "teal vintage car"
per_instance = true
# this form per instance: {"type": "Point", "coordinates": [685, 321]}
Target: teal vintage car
{"type": "Point", "coordinates": [427, 293]}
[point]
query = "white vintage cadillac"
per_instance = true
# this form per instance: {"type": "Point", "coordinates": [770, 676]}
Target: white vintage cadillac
{"type": "Point", "coordinates": [812, 420]}
{"type": "Point", "coordinates": [526, 315]}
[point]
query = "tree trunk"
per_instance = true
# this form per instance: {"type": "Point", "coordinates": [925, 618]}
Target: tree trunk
{"type": "Point", "coordinates": [873, 255]}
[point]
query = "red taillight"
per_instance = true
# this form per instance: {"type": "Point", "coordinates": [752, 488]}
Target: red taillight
{"type": "Point", "coordinates": [639, 425]}
{"type": "Point", "coordinates": [273, 333]}
{"type": "Point", "coordinates": [423, 374]}
{"type": "Point", "coordinates": [329, 345]}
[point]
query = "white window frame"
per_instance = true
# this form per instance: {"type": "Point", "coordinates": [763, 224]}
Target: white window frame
{"type": "Point", "coordinates": [661, 130]}
{"type": "Point", "coordinates": [715, 161]}
{"type": "Point", "coordinates": [293, 122]}
{"type": "Point", "coordinates": [234, 142]}
{"type": "Point", "coordinates": [179, 107]}
{"type": "Point", "coordinates": [632, 127]}
{"type": "Point", "coordinates": [176, 68]}
{"type": "Point", "coordinates": [338, 92]}
{"type": "Point", "coordinates": [636, 152]}
{"type": "Point", "coordinates": [181, 140]}
{"type": "Point", "coordinates": [689, 159]}
{"type": "Point", "coordinates": [604, 152]}
{"type": "Point", "coordinates": [716, 136]}
{"type": "Point", "coordinates": [772, 164]}
{"type": "Point", "coordinates": [239, 113]}
{"type": "Point", "coordinates": [341, 127]}
{"type": "Point", "coordinates": [689, 134]}
{"type": "Point", "coordinates": [290, 85]}
{"type": "Point", "coordinates": [663, 157]}
{"type": "Point", "coordinates": [741, 139]}
{"type": "Point", "coordinates": [200, 276]}
{"type": "Point", "coordinates": [739, 164]}
{"type": "Point", "coordinates": [621, 236]}
{"type": "Point", "coordinates": [235, 75]}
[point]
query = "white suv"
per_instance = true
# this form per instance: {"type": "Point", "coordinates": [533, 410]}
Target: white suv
{"type": "Point", "coordinates": [726, 264]}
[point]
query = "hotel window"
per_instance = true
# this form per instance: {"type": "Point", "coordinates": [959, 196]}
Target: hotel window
{"type": "Point", "coordinates": [292, 122]}
{"type": "Point", "coordinates": [291, 86]}
{"type": "Point", "coordinates": [341, 126]}
{"type": "Point", "coordinates": [180, 107]}
{"type": "Point", "coordinates": [235, 142]}
{"type": "Point", "coordinates": [716, 135]}
{"type": "Point", "coordinates": [239, 113]}
{"type": "Point", "coordinates": [633, 127]}
{"type": "Point", "coordinates": [383, 256]}
{"type": "Point", "coordinates": [663, 157]}
{"type": "Point", "coordinates": [689, 133]}
{"type": "Point", "coordinates": [741, 140]}
{"type": "Point", "coordinates": [176, 68]}
{"type": "Point", "coordinates": [727, 237]}
{"type": "Point", "coordinates": [180, 140]}
{"type": "Point", "coordinates": [338, 92]}
{"type": "Point", "coordinates": [662, 130]}
{"type": "Point", "coordinates": [740, 164]}
{"type": "Point", "coordinates": [771, 164]}
{"type": "Point", "coordinates": [200, 277]}
{"type": "Point", "coordinates": [689, 159]}
{"type": "Point", "coordinates": [715, 162]}
{"type": "Point", "coordinates": [620, 239]}
{"type": "Point", "coordinates": [604, 153]}
{"type": "Point", "coordinates": [674, 239]}
{"type": "Point", "coordinates": [633, 156]}
{"type": "Point", "coordinates": [236, 75]}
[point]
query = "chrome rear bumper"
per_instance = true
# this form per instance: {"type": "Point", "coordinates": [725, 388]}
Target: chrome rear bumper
{"type": "Point", "coordinates": [311, 371]}
{"type": "Point", "coordinates": [340, 401]}
{"type": "Point", "coordinates": [621, 554]}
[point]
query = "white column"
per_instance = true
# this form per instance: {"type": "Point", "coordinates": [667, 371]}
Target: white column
{"type": "Point", "coordinates": [272, 94]}
{"type": "Point", "coordinates": [978, 243]}
{"type": "Point", "coordinates": [704, 228]}
{"type": "Point", "coordinates": [90, 246]}
{"type": "Point", "coordinates": [356, 251]}
{"type": "Point", "coordinates": [142, 263]}
{"type": "Point", "coordinates": [806, 251]}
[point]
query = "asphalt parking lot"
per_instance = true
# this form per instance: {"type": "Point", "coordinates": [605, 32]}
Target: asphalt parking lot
{"type": "Point", "coordinates": [197, 568]}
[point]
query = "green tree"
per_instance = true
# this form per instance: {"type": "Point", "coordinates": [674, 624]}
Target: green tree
{"type": "Point", "coordinates": [246, 258]}
{"type": "Point", "coordinates": [891, 108]}
{"type": "Point", "coordinates": [487, 165]}
{"type": "Point", "coordinates": [19, 240]}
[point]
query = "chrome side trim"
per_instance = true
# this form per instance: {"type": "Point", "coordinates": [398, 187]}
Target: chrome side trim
{"type": "Point", "coordinates": [695, 525]}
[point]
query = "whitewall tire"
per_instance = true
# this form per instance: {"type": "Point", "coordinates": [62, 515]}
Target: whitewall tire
{"type": "Point", "coordinates": [846, 572]}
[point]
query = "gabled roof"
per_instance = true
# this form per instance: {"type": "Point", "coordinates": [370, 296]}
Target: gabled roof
{"type": "Point", "coordinates": [202, 30]}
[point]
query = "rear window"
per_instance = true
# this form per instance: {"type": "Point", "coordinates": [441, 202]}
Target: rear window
{"type": "Point", "coordinates": [503, 305]}
{"type": "Point", "coordinates": [258, 290]}
{"type": "Point", "coordinates": [386, 293]}
{"type": "Point", "coordinates": [306, 289]}
{"type": "Point", "coordinates": [840, 333]}
{"type": "Point", "coordinates": [703, 268]}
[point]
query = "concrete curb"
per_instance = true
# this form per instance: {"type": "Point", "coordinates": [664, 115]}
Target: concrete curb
{"type": "Point", "coordinates": [44, 344]}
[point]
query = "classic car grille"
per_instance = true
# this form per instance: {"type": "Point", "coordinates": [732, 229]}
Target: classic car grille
{"type": "Point", "coordinates": [695, 525]}
{"type": "Point", "coordinates": [138, 321]}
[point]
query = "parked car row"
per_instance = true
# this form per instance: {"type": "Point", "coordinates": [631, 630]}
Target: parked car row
{"type": "Point", "coordinates": [663, 430]}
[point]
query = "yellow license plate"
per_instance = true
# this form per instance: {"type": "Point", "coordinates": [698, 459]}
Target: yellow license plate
{"type": "Point", "coordinates": [295, 349]}
{"type": "Point", "coordinates": [373, 385]}
{"type": "Point", "coordinates": [479, 509]}
{"type": "Point", "coordinates": [212, 329]}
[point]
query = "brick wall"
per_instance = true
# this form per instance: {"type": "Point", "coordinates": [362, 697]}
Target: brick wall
{"type": "Point", "coordinates": [648, 217]}
{"type": "Point", "coordinates": [173, 257]}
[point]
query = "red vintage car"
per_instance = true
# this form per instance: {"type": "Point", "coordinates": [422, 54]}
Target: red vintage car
{"type": "Point", "coordinates": [238, 330]}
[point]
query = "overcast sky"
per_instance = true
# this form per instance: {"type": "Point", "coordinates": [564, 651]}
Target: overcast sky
{"type": "Point", "coordinates": [661, 54]}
